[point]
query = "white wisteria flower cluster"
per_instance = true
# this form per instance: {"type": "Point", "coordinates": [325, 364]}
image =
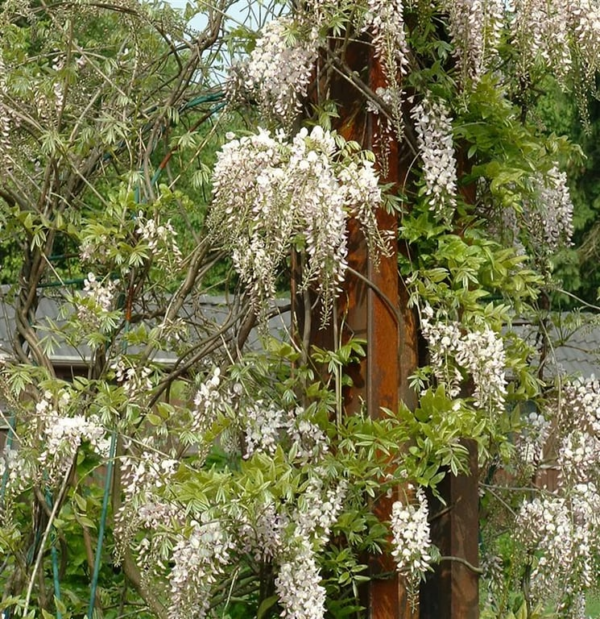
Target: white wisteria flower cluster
{"type": "Point", "coordinates": [265, 425]}
{"type": "Point", "coordinates": [318, 507]}
{"type": "Point", "coordinates": [262, 424]}
{"type": "Point", "coordinates": [145, 477]}
{"type": "Point", "coordinates": [385, 20]}
{"type": "Point", "coordinates": [580, 406]}
{"type": "Point", "coordinates": [436, 149]}
{"type": "Point", "coordinates": [5, 120]}
{"type": "Point", "coordinates": [199, 559]}
{"type": "Point", "coordinates": [532, 437]}
{"type": "Point", "coordinates": [16, 472]}
{"type": "Point", "coordinates": [279, 70]}
{"type": "Point", "coordinates": [298, 582]}
{"type": "Point", "coordinates": [208, 402]}
{"type": "Point", "coordinates": [412, 539]}
{"type": "Point", "coordinates": [62, 437]}
{"type": "Point", "coordinates": [161, 239]}
{"type": "Point", "coordinates": [577, 413]}
{"type": "Point", "coordinates": [298, 585]}
{"type": "Point", "coordinates": [561, 530]}
{"type": "Point", "coordinates": [480, 353]}
{"type": "Point", "coordinates": [205, 539]}
{"type": "Point", "coordinates": [63, 433]}
{"type": "Point", "coordinates": [288, 535]}
{"type": "Point", "coordinates": [272, 195]}
{"type": "Point", "coordinates": [134, 379]}
{"type": "Point", "coordinates": [475, 28]}
{"type": "Point", "coordinates": [562, 534]}
{"type": "Point", "coordinates": [558, 34]}
{"type": "Point", "coordinates": [263, 537]}
{"type": "Point", "coordinates": [549, 215]}
{"type": "Point", "coordinates": [96, 302]}
{"type": "Point", "coordinates": [578, 457]}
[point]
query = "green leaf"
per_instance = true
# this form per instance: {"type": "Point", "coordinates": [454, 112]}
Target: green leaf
{"type": "Point", "coordinates": [60, 606]}
{"type": "Point", "coordinates": [155, 420]}
{"type": "Point", "coordinates": [522, 612]}
{"type": "Point", "coordinates": [81, 502]}
{"type": "Point", "coordinates": [265, 605]}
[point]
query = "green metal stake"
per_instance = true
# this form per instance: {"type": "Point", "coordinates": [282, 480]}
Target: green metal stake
{"type": "Point", "coordinates": [54, 553]}
{"type": "Point", "coordinates": [109, 469]}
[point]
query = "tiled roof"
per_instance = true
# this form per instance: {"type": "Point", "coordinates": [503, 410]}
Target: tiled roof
{"type": "Point", "coordinates": [573, 343]}
{"type": "Point", "coordinates": [205, 315]}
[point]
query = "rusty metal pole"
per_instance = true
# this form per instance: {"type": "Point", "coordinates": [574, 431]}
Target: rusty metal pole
{"type": "Point", "coordinates": [375, 308]}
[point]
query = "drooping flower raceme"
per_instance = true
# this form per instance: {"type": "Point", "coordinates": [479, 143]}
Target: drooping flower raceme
{"type": "Point", "coordinates": [5, 143]}
{"type": "Point", "coordinates": [411, 538]}
{"type": "Point", "coordinates": [298, 582]}
{"type": "Point", "coordinates": [436, 148]}
{"type": "Point", "coordinates": [134, 379]}
{"type": "Point", "coordinates": [279, 71]}
{"type": "Point", "coordinates": [207, 403]}
{"type": "Point", "coordinates": [199, 559]}
{"type": "Point", "coordinates": [63, 433]}
{"type": "Point", "coordinates": [263, 425]}
{"type": "Point", "coordinates": [160, 238]}
{"type": "Point", "coordinates": [298, 585]}
{"type": "Point", "coordinates": [308, 439]}
{"type": "Point", "coordinates": [144, 479]}
{"type": "Point", "coordinates": [384, 19]}
{"type": "Point", "coordinates": [585, 23]}
{"type": "Point", "coordinates": [271, 195]}
{"type": "Point", "coordinates": [318, 509]}
{"type": "Point", "coordinates": [96, 303]}
{"type": "Point", "coordinates": [579, 457]}
{"type": "Point", "coordinates": [478, 352]}
{"type": "Point", "coordinates": [475, 28]}
{"type": "Point", "coordinates": [549, 215]}
{"type": "Point", "coordinates": [532, 438]}
{"type": "Point", "coordinates": [16, 472]}
{"type": "Point", "coordinates": [557, 33]}
{"type": "Point", "coordinates": [562, 531]}
{"type": "Point", "coordinates": [264, 538]}
{"type": "Point", "coordinates": [580, 408]}
{"type": "Point", "coordinates": [481, 353]}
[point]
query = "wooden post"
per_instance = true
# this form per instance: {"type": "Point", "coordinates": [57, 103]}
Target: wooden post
{"type": "Point", "coordinates": [452, 591]}
{"type": "Point", "coordinates": [374, 306]}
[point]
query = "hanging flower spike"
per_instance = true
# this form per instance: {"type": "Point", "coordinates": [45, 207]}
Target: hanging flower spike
{"type": "Point", "coordinates": [271, 196]}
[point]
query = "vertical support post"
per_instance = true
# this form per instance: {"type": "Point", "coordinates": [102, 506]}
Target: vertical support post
{"type": "Point", "coordinates": [374, 308]}
{"type": "Point", "coordinates": [452, 591]}
{"type": "Point", "coordinates": [392, 356]}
